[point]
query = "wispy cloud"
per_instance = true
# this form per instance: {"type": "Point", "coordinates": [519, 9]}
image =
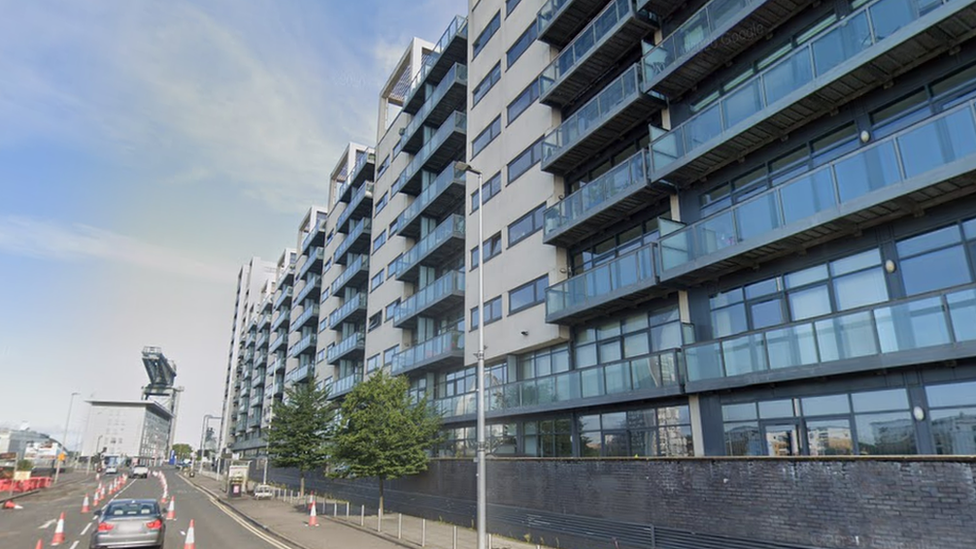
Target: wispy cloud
{"type": "Point", "coordinates": [44, 239]}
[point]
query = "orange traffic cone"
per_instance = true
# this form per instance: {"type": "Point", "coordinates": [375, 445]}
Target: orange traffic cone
{"type": "Point", "coordinates": [40, 545]}
{"type": "Point", "coordinates": [190, 543]}
{"type": "Point", "coordinates": [171, 514]}
{"type": "Point", "coordinates": [58, 538]}
{"type": "Point", "coordinates": [85, 507]}
{"type": "Point", "coordinates": [312, 519]}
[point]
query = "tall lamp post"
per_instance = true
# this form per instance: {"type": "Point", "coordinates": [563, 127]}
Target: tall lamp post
{"type": "Point", "coordinates": [64, 441]}
{"type": "Point", "coordinates": [480, 354]}
{"type": "Point", "coordinates": [203, 434]}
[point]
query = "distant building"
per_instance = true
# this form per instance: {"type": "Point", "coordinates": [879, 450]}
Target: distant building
{"type": "Point", "coordinates": [17, 441]}
{"type": "Point", "coordinates": [134, 429]}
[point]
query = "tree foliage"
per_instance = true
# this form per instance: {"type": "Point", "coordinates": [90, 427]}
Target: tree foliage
{"type": "Point", "coordinates": [301, 429]}
{"type": "Point", "coordinates": [182, 450]}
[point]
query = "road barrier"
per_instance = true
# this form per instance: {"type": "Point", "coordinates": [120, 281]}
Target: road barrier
{"type": "Point", "coordinates": [28, 485]}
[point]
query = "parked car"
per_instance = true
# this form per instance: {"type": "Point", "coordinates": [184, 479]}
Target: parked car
{"type": "Point", "coordinates": [111, 470]}
{"type": "Point", "coordinates": [263, 491]}
{"type": "Point", "coordinates": [140, 471]}
{"type": "Point", "coordinates": [129, 523]}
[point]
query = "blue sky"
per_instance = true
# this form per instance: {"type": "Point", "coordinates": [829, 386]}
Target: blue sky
{"type": "Point", "coordinates": [149, 148]}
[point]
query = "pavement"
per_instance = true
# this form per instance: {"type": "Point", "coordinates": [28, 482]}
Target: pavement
{"type": "Point", "coordinates": [287, 516]}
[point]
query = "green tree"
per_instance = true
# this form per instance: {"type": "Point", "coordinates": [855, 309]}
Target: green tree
{"type": "Point", "coordinates": [384, 433]}
{"type": "Point", "coordinates": [301, 429]}
{"type": "Point", "coordinates": [182, 451]}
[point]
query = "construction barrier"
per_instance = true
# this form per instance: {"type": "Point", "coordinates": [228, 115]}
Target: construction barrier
{"type": "Point", "coordinates": [31, 484]}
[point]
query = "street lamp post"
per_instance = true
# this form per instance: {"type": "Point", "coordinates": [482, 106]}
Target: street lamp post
{"type": "Point", "coordinates": [480, 354]}
{"type": "Point", "coordinates": [267, 446]}
{"type": "Point", "coordinates": [64, 440]}
{"type": "Point", "coordinates": [203, 434]}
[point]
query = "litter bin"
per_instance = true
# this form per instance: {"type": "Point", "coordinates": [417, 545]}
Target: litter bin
{"type": "Point", "coordinates": [236, 488]}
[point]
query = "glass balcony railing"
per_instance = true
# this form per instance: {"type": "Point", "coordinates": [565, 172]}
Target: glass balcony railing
{"type": "Point", "coordinates": [457, 75]}
{"type": "Point", "coordinates": [284, 294]}
{"type": "Point", "coordinates": [303, 345]}
{"type": "Point", "coordinates": [458, 25]}
{"type": "Point", "coordinates": [843, 40]}
{"type": "Point", "coordinates": [312, 284]}
{"type": "Point", "coordinates": [443, 346]}
{"type": "Point", "coordinates": [261, 339]}
{"type": "Point", "coordinates": [624, 89]}
{"type": "Point", "coordinates": [307, 314]}
{"type": "Point", "coordinates": [928, 145]}
{"type": "Point", "coordinates": [346, 346]}
{"type": "Point", "coordinates": [695, 35]}
{"type": "Point", "coordinates": [610, 280]}
{"type": "Point", "coordinates": [363, 226]}
{"type": "Point", "coordinates": [317, 230]}
{"type": "Point", "coordinates": [938, 319]}
{"type": "Point", "coordinates": [359, 265]}
{"type": "Point", "coordinates": [458, 121]}
{"type": "Point", "coordinates": [276, 342]}
{"type": "Point", "coordinates": [589, 40]}
{"type": "Point", "coordinates": [313, 258]}
{"type": "Point", "coordinates": [448, 177]}
{"type": "Point", "coordinates": [444, 286]}
{"type": "Point", "coordinates": [343, 189]}
{"type": "Point", "coordinates": [368, 157]}
{"type": "Point", "coordinates": [366, 190]}
{"type": "Point", "coordinates": [343, 385]}
{"type": "Point", "coordinates": [453, 227]}
{"type": "Point", "coordinates": [549, 12]}
{"type": "Point", "coordinates": [340, 314]}
{"type": "Point", "coordinates": [297, 374]}
{"type": "Point", "coordinates": [265, 320]}
{"type": "Point", "coordinates": [597, 194]}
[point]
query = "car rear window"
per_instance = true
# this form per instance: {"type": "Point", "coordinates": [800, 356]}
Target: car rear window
{"type": "Point", "coordinates": [131, 509]}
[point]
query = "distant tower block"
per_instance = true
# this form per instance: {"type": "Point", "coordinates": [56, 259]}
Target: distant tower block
{"type": "Point", "coordinates": [162, 375]}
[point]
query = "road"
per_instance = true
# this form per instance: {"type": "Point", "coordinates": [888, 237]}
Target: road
{"type": "Point", "coordinates": [214, 527]}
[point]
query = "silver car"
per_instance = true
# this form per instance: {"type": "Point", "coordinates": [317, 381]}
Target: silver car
{"type": "Point", "coordinates": [129, 523]}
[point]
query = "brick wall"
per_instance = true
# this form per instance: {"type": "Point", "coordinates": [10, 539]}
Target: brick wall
{"type": "Point", "coordinates": [911, 503]}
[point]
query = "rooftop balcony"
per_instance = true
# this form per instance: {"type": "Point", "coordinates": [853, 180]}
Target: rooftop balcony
{"type": "Point", "coordinates": [304, 345]}
{"type": "Point", "coordinates": [313, 262]}
{"type": "Point", "coordinates": [310, 290]}
{"type": "Point", "coordinates": [356, 242]}
{"type": "Point", "coordinates": [343, 385]}
{"type": "Point", "coordinates": [439, 198]}
{"type": "Point", "coordinates": [448, 96]}
{"type": "Point", "coordinates": [610, 197]}
{"type": "Point", "coordinates": [937, 326]}
{"type": "Point", "coordinates": [309, 316]}
{"type": "Point", "coordinates": [353, 310]}
{"type": "Point", "coordinates": [445, 240]}
{"type": "Point", "coordinates": [614, 32]}
{"type": "Point", "coordinates": [315, 237]}
{"type": "Point", "coordinates": [283, 297]}
{"type": "Point", "coordinates": [356, 274]}
{"type": "Point", "coordinates": [930, 162]}
{"type": "Point", "coordinates": [361, 205]}
{"type": "Point", "coordinates": [446, 349]}
{"type": "Point", "coordinates": [445, 293]}
{"type": "Point", "coordinates": [277, 341]}
{"type": "Point", "coordinates": [559, 21]}
{"type": "Point", "coordinates": [622, 283]}
{"type": "Point", "coordinates": [619, 108]}
{"type": "Point", "coordinates": [298, 375]}
{"type": "Point", "coordinates": [652, 376]}
{"type": "Point", "coordinates": [450, 49]}
{"type": "Point", "coordinates": [441, 150]}
{"type": "Point", "coordinates": [713, 36]}
{"type": "Point", "coordinates": [364, 169]}
{"type": "Point", "coordinates": [353, 347]}
{"type": "Point", "coordinates": [864, 50]}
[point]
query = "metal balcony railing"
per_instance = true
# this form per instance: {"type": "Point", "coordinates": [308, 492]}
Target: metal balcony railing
{"type": "Point", "coordinates": [355, 342]}
{"type": "Point", "coordinates": [451, 228]}
{"type": "Point", "coordinates": [339, 315]}
{"type": "Point", "coordinates": [450, 284]}
{"type": "Point", "coordinates": [448, 346]}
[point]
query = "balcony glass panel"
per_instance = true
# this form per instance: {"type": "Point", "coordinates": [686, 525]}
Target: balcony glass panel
{"type": "Point", "coordinates": [458, 73]}
{"type": "Point", "coordinates": [311, 235]}
{"type": "Point", "coordinates": [934, 320]}
{"type": "Point", "coordinates": [457, 121]}
{"type": "Point", "coordinates": [311, 285]}
{"type": "Point", "coordinates": [444, 180]}
{"type": "Point", "coordinates": [367, 157]}
{"type": "Point", "coordinates": [453, 227]}
{"type": "Point", "coordinates": [345, 384]}
{"type": "Point", "coordinates": [443, 286]}
{"type": "Point", "coordinates": [363, 225]}
{"type": "Point", "coordinates": [841, 42]}
{"type": "Point", "coordinates": [457, 25]}
{"type": "Point", "coordinates": [695, 34]}
{"type": "Point", "coordinates": [313, 257]}
{"type": "Point", "coordinates": [361, 262]}
{"type": "Point", "coordinates": [346, 345]}
{"type": "Point", "coordinates": [928, 145]}
{"type": "Point", "coordinates": [549, 11]}
{"type": "Point", "coordinates": [366, 188]}
{"type": "Point", "coordinates": [306, 315]}
{"type": "Point", "coordinates": [594, 113]}
{"type": "Point", "coordinates": [347, 308]}
{"type": "Point", "coordinates": [597, 193]}
{"type": "Point", "coordinates": [592, 285]}
{"type": "Point", "coordinates": [447, 343]}
{"type": "Point", "coordinates": [603, 25]}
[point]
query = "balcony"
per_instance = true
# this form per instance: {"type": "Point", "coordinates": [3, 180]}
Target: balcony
{"type": "Point", "coordinates": [364, 169]}
{"type": "Point", "coordinates": [446, 349]}
{"type": "Point", "coordinates": [610, 36]}
{"type": "Point", "coordinates": [864, 50]}
{"type": "Point", "coordinates": [352, 347]}
{"type": "Point", "coordinates": [930, 162]}
{"type": "Point", "coordinates": [249, 339]}
{"type": "Point", "coordinates": [446, 145]}
{"type": "Point", "coordinates": [439, 198]}
{"type": "Point", "coordinates": [444, 241]}
{"type": "Point", "coordinates": [257, 400]}
{"type": "Point", "coordinates": [284, 296]}
{"type": "Point", "coordinates": [345, 384]}
{"type": "Point", "coordinates": [278, 388]}
{"type": "Point", "coordinates": [448, 96]}
{"type": "Point", "coordinates": [356, 274]}
{"type": "Point", "coordinates": [277, 364]}
{"type": "Point", "coordinates": [278, 340]}
{"type": "Point", "coordinates": [622, 283]}
{"type": "Point", "coordinates": [361, 205]}
{"type": "Point", "coordinates": [304, 345]}
{"type": "Point", "coordinates": [260, 359]}
{"type": "Point", "coordinates": [450, 49]}
{"type": "Point", "coordinates": [356, 242]}
{"type": "Point", "coordinates": [309, 316]}
{"type": "Point", "coordinates": [258, 379]}
{"type": "Point", "coordinates": [445, 293]}
{"type": "Point", "coordinates": [312, 261]}
{"type": "Point", "coordinates": [298, 375]}
{"type": "Point", "coordinates": [711, 37]}
{"type": "Point", "coordinates": [310, 289]}
{"type": "Point", "coordinates": [353, 310]}
{"type": "Point", "coordinates": [265, 319]}
{"type": "Point", "coordinates": [614, 195]}
{"type": "Point", "coordinates": [343, 194]}
{"type": "Point", "coordinates": [261, 339]}
{"type": "Point", "coordinates": [559, 21]}
{"type": "Point", "coordinates": [315, 237]}
{"type": "Point", "coordinates": [937, 326]}
{"type": "Point", "coordinates": [619, 108]}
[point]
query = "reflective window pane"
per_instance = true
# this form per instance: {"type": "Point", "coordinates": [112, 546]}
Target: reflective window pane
{"type": "Point", "coordinates": [743, 439]}
{"type": "Point", "coordinates": [809, 303]}
{"type": "Point", "coordinates": [826, 405]}
{"type": "Point", "coordinates": [952, 394]}
{"type": "Point", "coordinates": [886, 434]}
{"type": "Point", "coordinates": [830, 437]}
{"type": "Point", "coordinates": [954, 430]}
{"type": "Point", "coordinates": [739, 412]}
{"type": "Point", "coordinates": [858, 289]}
{"type": "Point", "coordinates": [935, 270]}
{"type": "Point", "coordinates": [879, 401]}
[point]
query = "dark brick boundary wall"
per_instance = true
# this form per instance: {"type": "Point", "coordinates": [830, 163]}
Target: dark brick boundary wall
{"type": "Point", "coordinates": [879, 503]}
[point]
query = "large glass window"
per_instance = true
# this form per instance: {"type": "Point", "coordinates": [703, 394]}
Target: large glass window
{"type": "Point", "coordinates": [491, 187]}
{"type": "Point", "coordinates": [526, 225]}
{"type": "Point", "coordinates": [628, 240]}
{"type": "Point", "coordinates": [663, 431]}
{"type": "Point", "coordinates": [527, 295]}
{"type": "Point", "coordinates": [934, 260]}
{"type": "Point", "coordinates": [525, 160]}
{"type": "Point", "coordinates": [521, 44]}
{"type": "Point", "coordinates": [638, 334]}
{"type": "Point", "coordinates": [523, 101]}
{"type": "Point", "coordinates": [548, 438]}
{"type": "Point", "coordinates": [486, 136]}
{"type": "Point", "coordinates": [492, 246]}
{"type": "Point", "coordinates": [493, 308]}
{"type": "Point", "coordinates": [952, 411]}
{"type": "Point", "coordinates": [487, 83]}
{"type": "Point", "coordinates": [486, 34]}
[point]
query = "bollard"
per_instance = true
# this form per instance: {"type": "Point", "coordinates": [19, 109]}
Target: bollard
{"type": "Point", "coordinates": [362, 515]}
{"type": "Point", "coordinates": [335, 508]}
{"type": "Point", "coordinates": [455, 538]}
{"type": "Point", "coordinates": [347, 509]}
{"type": "Point", "coordinates": [489, 541]}
{"type": "Point", "coordinates": [399, 526]}
{"type": "Point", "coordinates": [423, 533]}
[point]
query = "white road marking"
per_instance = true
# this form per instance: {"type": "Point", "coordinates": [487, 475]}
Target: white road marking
{"type": "Point", "coordinates": [75, 544]}
{"type": "Point", "coordinates": [47, 524]}
{"type": "Point", "coordinates": [85, 531]}
{"type": "Point", "coordinates": [247, 526]}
